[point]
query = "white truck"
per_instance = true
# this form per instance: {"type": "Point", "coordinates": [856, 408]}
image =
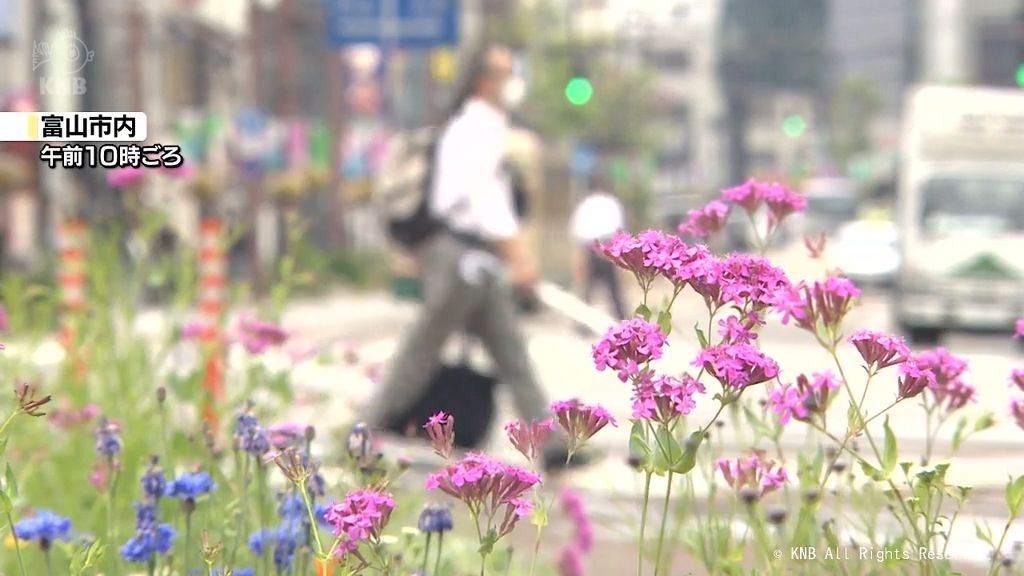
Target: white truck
{"type": "Point", "coordinates": [960, 209]}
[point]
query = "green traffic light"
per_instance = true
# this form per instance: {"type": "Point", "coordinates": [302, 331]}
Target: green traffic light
{"type": "Point", "coordinates": [794, 126]}
{"type": "Point", "coordinates": [1020, 75]}
{"type": "Point", "coordinates": [578, 91]}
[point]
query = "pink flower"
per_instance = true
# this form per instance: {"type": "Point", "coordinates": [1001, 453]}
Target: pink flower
{"type": "Point", "coordinates": [572, 503]}
{"type": "Point", "coordinates": [361, 516]}
{"type": "Point", "coordinates": [737, 366]}
{"type": "Point", "coordinates": [570, 563]}
{"type": "Point", "coordinates": [1019, 331]}
{"type": "Point", "coordinates": [257, 336]}
{"type": "Point", "coordinates": [285, 434]}
{"type": "Point", "coordinates": [781, 201]}
{"type": "Point", "coordinates": [949, 389]}
{"type": "Point", "coordinates": [825, 302]}
{"type": "Point", "coordinates": [745, 195]}
{"type": "Point", "coordinates": [627, 346]}
{"type": "Point", "coordinates": [753, 471]}
{"type": "Point", "coordinates": [707, 220]}
{"type": "Point", "coordinates": [1017, 411]}
{"type": "Point", "coordinates": [664, 398]}
{"type": "Point", "coordinates": [651, 254]}
{"type": "Point", "coordinates": [788, 401]}
{"type": "Point", "coordinates": [580, 421]}
{"type": "Point", "coordinates": [879, 350]}
{"type": "Point", "coordinates": [751, 282]}
{"type": "Point", "coordinates": [194, 331]}
{"type": "Point", "coordinates": [735, 331]}
{"type": "Point", "coordinates": [529, 440]}
{"type": "Point", "coordinates": [914, 378]}
{"type": "Point", "coordinates": [441, 429]}
{"type": "Point", "coordinates": [489, 488]}
{"type": "Point", "coordinates": [1017, 378]}
{"type": "Point", "coordinates": [815, 245]}
{"type": "Point", "coordinates": [5, 319]}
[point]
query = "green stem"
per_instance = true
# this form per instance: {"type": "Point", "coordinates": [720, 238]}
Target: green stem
{"type": "Point", "coordinates": [664, 523]}
{"type": "Point", "coordinates": [111, 528]}
{"type": "Point", "coordinates": [243, 496]}
{"type": "Point", "coordinates": [993, 566]}
{"type": "Point", "coordinates": [9, 419]}
{"type": "Point", "coordinates": [188, 540]}
{"type": "Point", "coordinates": [536, 549]}
{"type": "Point", "coordinates": [163, 439]}
{"type": "Point", "coordinates": [426, 554]}
{"type": "Point", "coordinates": [643, 525]}
{"type": "Point", "coordinates": [17, 545]}
{"type": "Point", "coordinates": [312, 519]}
{"type": "Point", "coordinates": [49, 564]}
{"type": "Point", "coordinates": [262, 508]}
{"type": "Point", "coordinates": [437, 561]}
{"type": "Point", "coordinates": [151, 569]}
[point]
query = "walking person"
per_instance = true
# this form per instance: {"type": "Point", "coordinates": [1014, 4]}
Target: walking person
{"type": "Point", "coordinates": [597, 218]}
{"type": "Point", "coordinates": [472, 268]}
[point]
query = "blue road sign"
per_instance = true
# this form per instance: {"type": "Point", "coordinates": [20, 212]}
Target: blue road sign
{"type": "Point", "coordinates": [396, 23]}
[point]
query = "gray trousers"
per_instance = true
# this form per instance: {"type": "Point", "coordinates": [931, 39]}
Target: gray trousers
{"type": "Point", "coordinates": [464, 292]}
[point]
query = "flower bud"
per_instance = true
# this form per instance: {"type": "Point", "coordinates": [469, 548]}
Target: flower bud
{"type": "Point", "coordinates": [749, 495]}
{"type": "Point", "coordinates": [811, 496]}
{"type": "Point", "coordinates": [777, 516]}
{"type": "Point", "coordinates": [839, 466]}
{"type": "Point", "coordinates": [310, 433]}
{"type": "Point", "coordinates": [634, 461]}
{"type": "Point", "coordinates": [161, 395]}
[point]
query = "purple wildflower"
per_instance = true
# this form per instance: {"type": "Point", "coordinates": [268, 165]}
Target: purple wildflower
{"type": "Point", "coordinates": [627, 346]}
{"type": "Point", "coordinates": [737, 366]}
{"type": "Point", "coordinates": [441, 429]}
{"type": "Point", "coordinates": [529, 440]}
{"type": "Point", "coordinates": [879, 350]}
{"type": "Point", "coordinates": [580, 421]}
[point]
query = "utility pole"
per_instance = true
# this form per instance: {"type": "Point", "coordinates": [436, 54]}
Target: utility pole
{"type": "Point", "coordinates": [254, 184]}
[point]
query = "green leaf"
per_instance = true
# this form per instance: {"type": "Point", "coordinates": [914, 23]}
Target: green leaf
{"type": "Point", "coordinates": [487, 545]}
{"type": "Point", "coordinates": [540, 513]}
{"type": "Point", "coordinates": [668, 453]}
{"type": "Point", "coordinates": [1014, 493]}
{"type": "Point", "coordinates": [984, 422]}
{"type": "Point", "coordinates": [983, 534]}
{"type": "Point", "coordinates": [665, 322]}
{"type": "Point", "coordinates": [3, 445]}
{"type": "Point", "coordinates": [890, 454]}
{"type": "Point", "coordinates": [639, 444]}
{"type": "Point", "coordinates": [870, 471]}
{"type": "Point", "coordinates": [689, 459]}
{"type": "Point", "coordinates": [958, 434]}
{"type": "Point", "coordinates": [906, 466]}
{"type": "Point", "coordinates": [853, 419]}
{"type": "Point", "coordinates": [643, 310]}
{"type": "Point", "coordinates": [5, 503]}
{"type": "Point", "coordinates": [760, 429]}
{"type": "Point", "coordinates": [701, 337]}
{"type": "Point", "coordinates": [10, 482]}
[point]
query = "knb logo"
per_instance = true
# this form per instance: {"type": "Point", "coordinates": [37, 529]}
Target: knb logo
{"type": "Point", "coordinates": [66, 56]}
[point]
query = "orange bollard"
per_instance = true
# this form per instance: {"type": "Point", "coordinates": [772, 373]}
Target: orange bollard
{"type": "Point", "coordinates": [212, 296]}
{"type": "Point", "coordinates": [323, 569]}
{"type": "Point", "coordinates": [72, 279]}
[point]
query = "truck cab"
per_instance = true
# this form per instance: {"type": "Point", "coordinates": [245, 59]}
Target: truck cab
{"type": "Point", "coordinates": [960, 209]}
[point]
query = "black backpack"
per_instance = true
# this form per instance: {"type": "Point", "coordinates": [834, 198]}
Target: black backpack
{"type": "Point", "coordinates": [403, 187]}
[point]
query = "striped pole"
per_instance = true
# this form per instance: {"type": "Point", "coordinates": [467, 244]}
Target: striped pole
{"type": "Point", "coordinates": [72, 278]}
{"type": "Point", "coordinates": [212, 298]}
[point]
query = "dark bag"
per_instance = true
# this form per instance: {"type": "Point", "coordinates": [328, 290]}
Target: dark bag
{"type": "Point", "coordinates": [459, 390]}
{"type": "Point", "coordinates": [403, 187]}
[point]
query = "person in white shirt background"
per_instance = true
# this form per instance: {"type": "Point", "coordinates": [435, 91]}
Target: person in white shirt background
{"type": "Point", "coordinates": [597, 218]}
{"type": "Point", "coordinates": [472, 269]}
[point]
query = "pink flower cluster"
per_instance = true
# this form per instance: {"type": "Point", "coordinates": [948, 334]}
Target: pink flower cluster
{"type": "Point", "coordinates": [949, 389]}
{"type": "Point", "coordinates": [1017, 411]}
{"type": "Point", "coordinates": [780, 201]}
{"type": "Point", "coordinates": [360, 517]}
{"type": "Point", "coordinates": [1017, 378]}
{"type": "Point", "coordinates": [737, 366]}
{"type": "Point", "coordinates": [627, 346]}
{"type": "Point", "coordinates": [750, 282]}
{"type": "Point", "coordinates": [489, 488]}
{"type": "Point", "coordinates": [653, 253]}
{"type": "Point", "coordinates": [805, 397]}
{"type": "Point", "coordinates": [879, 350]}
{"type": "Point", "coordinates": [257, 336]}
{"type": "Point", "coordinates": [736, 331]}
{"type": "Point", "coordinates": [1019, 329]}
{"type": "Point", "coordinates": [570, 562]}
{"type": "Point", "coordinates": [529, 440]}
{"type": "Point", "coordinates": [754, 472]}
{"type": "Point", "coordinates": [825, 302]}
{"type": "Point", "coordinates": [915, 377]}
{"type": "Point", "coordinates": [64, 418]}
{"type": "Point", "coordinates": [580, 421]}
{"type": "Point", "coordinates": [663, 398]}
{"type": "Point", "coordinates": [707, 220]}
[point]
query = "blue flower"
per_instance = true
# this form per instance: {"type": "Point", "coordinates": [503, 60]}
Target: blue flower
{"type": "Point", "coordinates": [190, 486]}
{"type": "Point", "coordinates": [145, 515]}
{"type": "Point", "coordinates": [321, 513]}
{"type": "Point", "coordinates": [236, 572]}
{"type": "Point", "coordinates": [154, 483]}
{"type": "Point", "coordinates": [435, 518]}
{"type": "Point", "coordinates": [146, 543]}
{"type": "Point", "coordinates": [291, 506]}
{"type": "Point", "coordinates": [45, 527]}
{"type": "Point", "coordinates": [283, 540]}
{"type": "Point", "coordinates": [108, 438]}
{"type": "Point", "coordinates": [256, 443]}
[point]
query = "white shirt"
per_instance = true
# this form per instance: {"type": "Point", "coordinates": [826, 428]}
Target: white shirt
{"type": "Point", "coordinates": [597, 217]}
{"type": "Point", "coordinates": [471, 191]}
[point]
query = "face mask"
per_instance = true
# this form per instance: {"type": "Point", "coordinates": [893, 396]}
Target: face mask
{"type": "Point", "coordinates": [512, 93]}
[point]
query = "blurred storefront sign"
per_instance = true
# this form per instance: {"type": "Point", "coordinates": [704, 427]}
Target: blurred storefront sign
{"type": "Point", "coordinates": [399, 23]}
